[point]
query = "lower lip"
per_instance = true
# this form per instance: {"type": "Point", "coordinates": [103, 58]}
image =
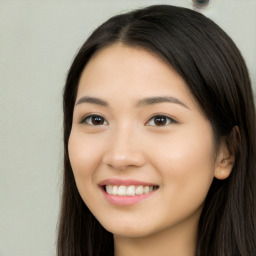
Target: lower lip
{"type": "Point", "coordinates": [126, 200]}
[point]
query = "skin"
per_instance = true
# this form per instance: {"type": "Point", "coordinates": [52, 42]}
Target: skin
{"type": "Point", "coordinates": [179, 156]}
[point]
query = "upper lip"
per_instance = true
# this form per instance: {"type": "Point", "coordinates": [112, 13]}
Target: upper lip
{"type": "Point", "coordinates": [125, 182]}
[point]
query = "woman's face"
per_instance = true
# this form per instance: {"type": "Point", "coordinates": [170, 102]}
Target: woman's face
{"type": "Point", "coordinates": [141, 150]}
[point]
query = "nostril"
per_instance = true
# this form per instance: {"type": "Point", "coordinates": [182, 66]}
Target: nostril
{"type": "Point", "coordinates": [121, 159]}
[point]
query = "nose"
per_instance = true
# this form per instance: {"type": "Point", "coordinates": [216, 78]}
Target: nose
{"type": "Point", "coordinates": [124, 150]}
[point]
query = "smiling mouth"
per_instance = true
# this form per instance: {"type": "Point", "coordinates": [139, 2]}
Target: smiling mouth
{"type": "Point", "coordinates": [131, 190]}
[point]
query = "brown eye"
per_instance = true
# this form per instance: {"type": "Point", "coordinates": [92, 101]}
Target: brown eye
{"type": "Point", "coordinates": [160, 120]}
{"type": "Point", "coordinates": [94, 120]}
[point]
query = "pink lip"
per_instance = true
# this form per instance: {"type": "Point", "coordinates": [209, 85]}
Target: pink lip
{"type": "Point", "coordinates": [125, 200]}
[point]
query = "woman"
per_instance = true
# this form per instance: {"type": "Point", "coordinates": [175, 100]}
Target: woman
{"type": "Point", "coordinates": [159, 136]}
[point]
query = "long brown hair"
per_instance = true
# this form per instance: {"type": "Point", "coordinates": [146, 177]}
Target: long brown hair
{"type": "Point", "coordinates": [216, 74]}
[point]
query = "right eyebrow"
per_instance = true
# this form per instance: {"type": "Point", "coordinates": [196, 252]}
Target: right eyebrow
{"type": "Point", "coordinates": [92, 100]}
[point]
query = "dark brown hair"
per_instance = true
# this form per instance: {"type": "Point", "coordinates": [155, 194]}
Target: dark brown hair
{"type": "Point", "coordinates": [216, 75]}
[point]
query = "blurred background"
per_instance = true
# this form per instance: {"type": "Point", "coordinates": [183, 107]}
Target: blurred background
{"type": "Point", "coordinates": [38, 40]}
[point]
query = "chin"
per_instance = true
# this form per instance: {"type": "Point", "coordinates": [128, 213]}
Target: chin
{"type": "Point", "coordinates": [131, 233]}
{"type": "Point", "coordinates": [129, 230]}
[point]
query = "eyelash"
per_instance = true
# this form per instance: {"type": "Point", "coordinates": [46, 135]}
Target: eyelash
{"type": "Point", "coordinates": [168, 119]}
{"type": "Point", "coordinates": [88, 120]}
{"type": "Point", "coordinates": [89, 117]}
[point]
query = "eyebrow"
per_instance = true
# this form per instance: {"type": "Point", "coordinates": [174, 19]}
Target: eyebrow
{"type": "Point", "coordinates": [139, 104]}
{"type": "Point", "coordinates": [159, 99]}
{"type": "Point", "coordinates": [92, 100]}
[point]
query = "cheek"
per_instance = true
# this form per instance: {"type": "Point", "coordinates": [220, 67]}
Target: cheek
{"type": "Point", "coordinates": [187, 165]}
{"type": "Point", "coordinates": [189, 156]}
{"type": "Point", "coordinates": [191, 150]}
{"type": "Point", "coordinates": [84, 158]}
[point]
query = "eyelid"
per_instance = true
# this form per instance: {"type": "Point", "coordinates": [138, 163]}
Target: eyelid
{"type": "Point", "coordinates": [87, 116]}
{"type": "Point", "coordinates": [171, 120]}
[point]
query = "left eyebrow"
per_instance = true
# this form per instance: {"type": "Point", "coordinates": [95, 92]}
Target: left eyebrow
{"type": "Point", "coordinates": [159, 99]}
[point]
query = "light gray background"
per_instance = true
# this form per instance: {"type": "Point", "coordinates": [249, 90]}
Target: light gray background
{"type": "Point", "coordinates": [38, 40]}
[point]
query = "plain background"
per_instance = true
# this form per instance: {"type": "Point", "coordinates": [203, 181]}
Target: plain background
{"type": "Point", "coordinates": [38, 40]}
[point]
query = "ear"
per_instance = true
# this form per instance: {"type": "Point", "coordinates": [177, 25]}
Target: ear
{"type": "Point", "coordinates": [226, 155]}
{"type": "Point", "coordinates": [224, 163]}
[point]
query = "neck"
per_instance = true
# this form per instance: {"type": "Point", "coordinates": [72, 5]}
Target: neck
{"type": "Point", "coordinates": [179, 240]}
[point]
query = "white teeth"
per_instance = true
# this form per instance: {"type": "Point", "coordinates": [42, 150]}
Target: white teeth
{"type": "Point", "coordinates": [146, 189]}
{"type": "Point", "coordinates": [139, 190]}
{"type": "Point", "coordinates": [115, 190]}
{"type": "Point", "coordinates": [109, 189]}
{"type": "Point", "coordinates": [131, 190]}
{"type": "Point", "coordinates": [122, 191]}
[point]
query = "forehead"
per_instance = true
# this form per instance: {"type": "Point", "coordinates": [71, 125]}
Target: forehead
{"type": "Point", "coordinates": [120, 69]}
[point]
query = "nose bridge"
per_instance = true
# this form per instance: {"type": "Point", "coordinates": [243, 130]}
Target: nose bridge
{"type": "Point", "coordinates": [124, 148]}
